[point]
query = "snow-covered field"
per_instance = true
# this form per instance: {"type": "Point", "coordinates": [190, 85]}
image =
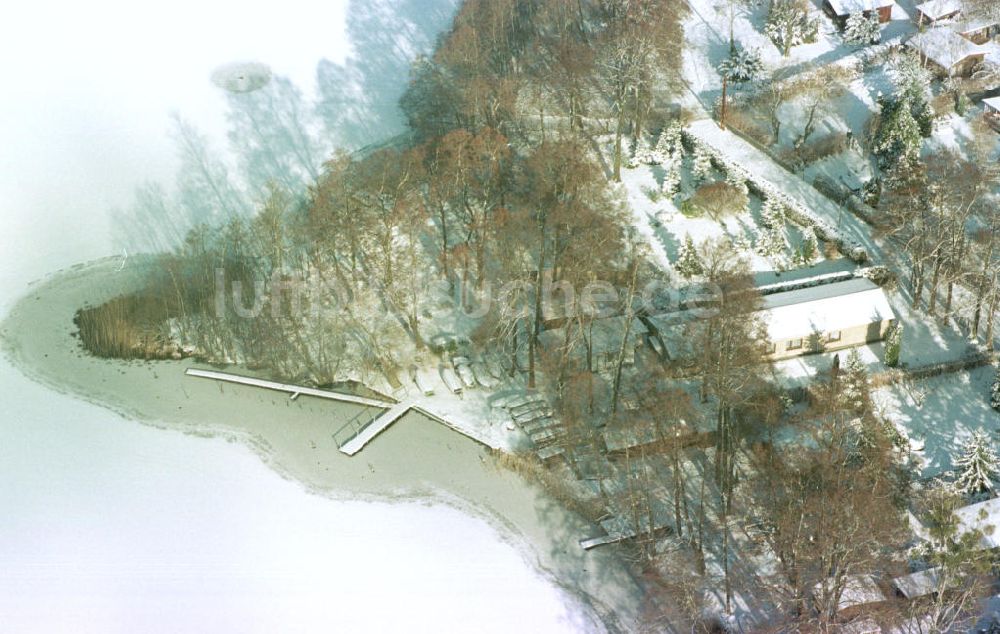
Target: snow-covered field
{"type": "Point", "coordinates": [111, 526]}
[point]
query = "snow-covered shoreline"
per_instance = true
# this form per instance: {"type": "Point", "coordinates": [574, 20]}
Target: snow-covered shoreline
{"type": "Point", "coordinates": [419, 460]}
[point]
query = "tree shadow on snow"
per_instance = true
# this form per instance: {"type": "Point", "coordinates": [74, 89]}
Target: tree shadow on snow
{"type": "Point", "coordinates": [358, 101]}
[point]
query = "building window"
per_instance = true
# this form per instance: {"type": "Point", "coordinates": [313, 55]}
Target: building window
{"type": "Point", "coordinates": [771, 348]}
{"type": "Point", "coordinates": [794, 344]}
{"type": "Point", "coordinates": [833, 336]}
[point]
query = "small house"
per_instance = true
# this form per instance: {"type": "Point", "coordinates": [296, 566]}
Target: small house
{"type": "Point", "coordinates": [934, 11]}
{"type": "Point", "coordinates": [946, 52]}
{"type": "Point", "coordinates": [991, 112]}
{"type": "Point", "coordinates": [918, 584]}
{"type": "Point", "coordinates": [979, 30]}
{"type": "Point", "coordinates": [840, 10]}
{"type": "Point", "coordinates": [991, 107]}
{"type": "Point", "coordinates": [983, 517]}
{"type": "Point", "coordinates": [826, 317]}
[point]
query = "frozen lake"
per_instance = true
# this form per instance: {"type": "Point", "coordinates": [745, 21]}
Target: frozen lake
{"type": "Point", "coordinates": [110, 526]}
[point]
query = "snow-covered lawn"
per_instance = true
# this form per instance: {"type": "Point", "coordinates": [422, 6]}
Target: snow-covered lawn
{"type": "Point", "coordinates": [940, 414]}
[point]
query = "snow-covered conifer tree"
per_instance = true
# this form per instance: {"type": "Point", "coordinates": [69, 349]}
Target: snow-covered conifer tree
{"type": "Point", "coordinates": [742, 244]}
{"type": "Point", "coordinates": [773, 213]}
{"type": "Point", "coordinates": [669, 144]}
{"type": "Point", "coordinates": [911, 79]}
{"type": "Point", "coordinates": [855, 388]}
{"type": "Point", "coordinates": [772, 243]}
{"type": "Point", "coordinates": [640, 153]}
{"type": "Point", "coordinates": [978, 466]}
{"type": "Point", "coordinates": [742, 66]}
{"type": "Point", "coordinates": [863, 29]}
{"type": "Point", "coordinates": [912, 83]}
{"type": "Point", "coordinates": [688, 262]}
{"type": "Point", "coordinates": [671, 175]}
{"type": "Point", "coordinates": [893, 345]}
{"type": "Point", "coordinates": [898, 135]}
{"type": "Point", "coordinates": [701, 165]}
{"type": "Point", "coordinates": [924, 115]}
{"type": "Point", "coordinates": [810, 247]}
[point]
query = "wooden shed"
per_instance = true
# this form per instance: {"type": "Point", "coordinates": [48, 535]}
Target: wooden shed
{"type": "Point", "coordinates": [840, 10]}
{"type": "Point", "coordinates": [934, 11]}
{"type": "Point", "coordinates": [946, 52]}
{"type": "Point", "coordinates": [979, 31]}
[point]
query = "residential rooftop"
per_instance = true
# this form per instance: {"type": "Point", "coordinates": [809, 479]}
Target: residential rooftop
{"type": "Point", "coordinates": [825, 308]}
{"type": "Point", "coordinates": [847, 7]}
{"type": "Point", "coordinates": [943, 46]}
{"type": "Point", "coordinates": [939, 9]}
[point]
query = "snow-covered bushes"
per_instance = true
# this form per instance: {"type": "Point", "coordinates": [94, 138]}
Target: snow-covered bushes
{"type": "Point", "coordinates": [795, 211]}
{"type": "Point", "coordinates": [882, 276]}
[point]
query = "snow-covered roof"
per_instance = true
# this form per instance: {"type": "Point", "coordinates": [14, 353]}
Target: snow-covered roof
{"type": "Point", "coordinates": [944, 47]}
{"type": "Point", "coordinates": [992, 102]}
{"type": "Point", "coordinates": [847, 7]}
{"type": "Point", "coordinates": [858, 590]}
{"type": "Point", "coordinates": [938, 9]}
{"type": "Point", "coordinates": [918, 584]}
{"type": "Point", "coordinates": [984, 516]}
{"type": "Point", "coordinates": [824, 309]}
{"type": "Point", "coordinates": [975, 23]}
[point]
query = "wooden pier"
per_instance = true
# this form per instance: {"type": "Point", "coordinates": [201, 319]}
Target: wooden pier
{"type": "Point", "coordinates": [374, 428]}
{"type": "Point", "coordinates": [360, 434]}
{"type": "Point", "coordinates": [293, 390]}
